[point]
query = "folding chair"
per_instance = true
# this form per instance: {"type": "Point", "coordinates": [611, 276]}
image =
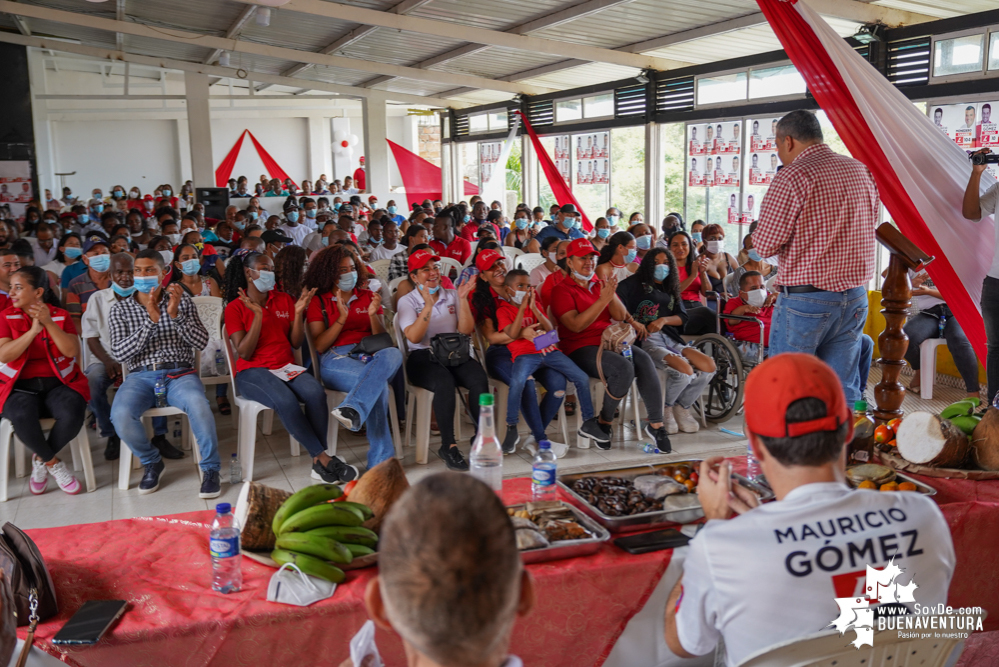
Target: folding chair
{"type": "Point", "coordinates": [211, 310]}
{"type": "Point", "coordinates": [79, 449]}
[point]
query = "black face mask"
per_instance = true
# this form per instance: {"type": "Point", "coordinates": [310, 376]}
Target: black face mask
{"type": "Point", "coordinates": [562, 264]}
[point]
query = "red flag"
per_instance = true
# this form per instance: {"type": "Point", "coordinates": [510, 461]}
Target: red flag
{"type": "Point", "coordinates": [420, 177]}
{"type": "Point", "coordinates": [224, 171]}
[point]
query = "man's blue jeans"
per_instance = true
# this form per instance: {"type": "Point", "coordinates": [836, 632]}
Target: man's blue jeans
{"type": "Point", "coordinates": [368, 392]}
{"type": "Point", "coordinates": [829, 325]}
{"type": "Point", "coordinates": [499, 365]}
{"type": "Point", "coordinates": [97, 378]}
{"type": "Point", "coordinates": [524, 366]}
{"type": "Point", "coordinates": [136, 395]}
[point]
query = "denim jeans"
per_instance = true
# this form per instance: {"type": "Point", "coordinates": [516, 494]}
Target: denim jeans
{"type": "Point", "coordinates": [620, 374]}
{"type": "Point", "coordinates": [368, 392]}
{"type": "Point", "coordinates": [827, 324]}
{"type": "Point", "coordinates": [990, 313]}
{"type": "Point", "coordinates": [499, 365]}
{"type": "Point", "coordinates": [97, 377]}
{"type": "Point", "coordinates": [262, 386]}
{"type": "Point", "coordinates": [926, 325]}
{"type": "Point", "coordinates": [525, 365]}
{"type": "Point", "coordinates": [866, 357]}
{"type": "Point", "coordinates": [681, 388]}
{"type": "Point", "coordinates": [136, 395]}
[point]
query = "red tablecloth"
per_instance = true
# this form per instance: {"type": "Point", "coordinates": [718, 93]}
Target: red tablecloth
{"type": "Point", "coordinates": [162, 567]}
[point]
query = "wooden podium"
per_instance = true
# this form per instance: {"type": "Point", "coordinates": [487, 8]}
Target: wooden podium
{"type": "Point", "coordinates": [896, 292]}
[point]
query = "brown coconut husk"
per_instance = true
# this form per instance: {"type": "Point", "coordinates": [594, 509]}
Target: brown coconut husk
{"type": "Point", "coordinates": [926, 439]}
{"type": "Point", "coordinates": [379, 488]}
{"type": "Point", "coordinates": [255, 509]}
{"type": "Point", "coordinates": [985, 441]}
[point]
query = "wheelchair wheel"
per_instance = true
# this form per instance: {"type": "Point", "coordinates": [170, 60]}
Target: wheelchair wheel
{"type": "Point", "coordinates": [724, 393]}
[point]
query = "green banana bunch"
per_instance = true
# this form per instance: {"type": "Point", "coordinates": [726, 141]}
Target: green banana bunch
{"type": "Point", "coordinates": [347, 534]}
{"type": "Point", "coordinates": [307, 497]}
{"type": "Point", "coordinates": [325, 548]}
{"type": "Point", "coordinates": [325, 514]}
{"type": "Point", "coordinates": [961, 414]}
{"type": "Point", "coordinates": [309, 565]}
{"type": "Point", "coordinates": [358, 550]}
{"type": "Point", "coordinates": [365, 511]}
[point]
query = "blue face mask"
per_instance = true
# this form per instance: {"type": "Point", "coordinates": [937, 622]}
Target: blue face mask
{"type": "Point", "coordinates": [754, 256]}
{"type": "Point", "coordinates": [612, 219]}
{"type": "Point", "coordinates": [239, 224]}
{"type": "Point", "coordinates": [97, 208]}
{"type": "Point", "coordinates": [603, 232]}
{"type": "Point", "coordinates": [100, 263]}
{"type": "Point", "coordinates": [347, 281]}
{"type": "Point", "coordinates": [292, 216]}
{"type": "Point", "coordinates": [326, 240]}
{"type": "Point", "coordinates": [661, 272]}
{"type": "Point", "coordinates": [392, 209]}
{"type": "Point", "coordinates": [630, 257]}
{"type": "Point", "coordinates": [119, 193]}
{"type": "Point", "coordinates": [336, 206]}
{"type": "Point", "coordinates": [521, 223]}
{"type": "Point", "coordinates": [167, 193]}
{"type": "Point", "coordinates": [644, 242]}
{"type": "Point", "coordinates": [266, 281]}
{"type": "Point", "coordinates": [190, 267]}
{"type": "Point", "coordinates": [146, 284]}
{"type": "Point", "coordinates": [122, 291]}
{"type": "Point", "coordinates": [696, 237]}
{"type": "Point", "coordinates": [432, 290]}
{"type": "Point", "coordinates": [71, 252]}
{"type": "Point", "coordinates": [569, 223]}
{"type": "Point", "coordinates": [467, 218]}
{"type": "Point", "coordinates": [253, 215]}
{"type": "Point", "coordinates": [310, 213]}
{"type": "Point", "coordinates": [374, 241]}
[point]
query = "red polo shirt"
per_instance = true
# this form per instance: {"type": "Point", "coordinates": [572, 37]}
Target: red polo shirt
{"type": "Point", "coordinates": [460, 249]}
{"type": "Point", "coordinates": [748, 331]}
{"type": "Point", "coordinates": [274, 343]}
{"type": "Point", "coordinates": [551, 282]}
{"type": "Point", "coordinates": [358, 323]}
{"type": "Point", "coordinates": [471, 229]}
{"type": "Point", "coordinates": [506, 313]}
{"type": "Point", "coordinates": [570, 296]}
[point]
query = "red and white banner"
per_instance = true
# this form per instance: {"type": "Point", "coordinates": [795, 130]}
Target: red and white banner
{"type": "Point", "coordinates": [921, 174]}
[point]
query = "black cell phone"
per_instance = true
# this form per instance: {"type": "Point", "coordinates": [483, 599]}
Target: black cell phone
{"type": "Point", "coordinates": [90, 623]}
{"type": "Point", "coordinates": [657, 540]}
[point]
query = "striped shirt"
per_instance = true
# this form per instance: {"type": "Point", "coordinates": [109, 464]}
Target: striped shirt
{"type": "Point", "coordinates": [138, 341]}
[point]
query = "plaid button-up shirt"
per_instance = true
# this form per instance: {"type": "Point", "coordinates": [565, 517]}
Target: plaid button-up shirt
{"type": "Point", "coordinates": [138, 341]}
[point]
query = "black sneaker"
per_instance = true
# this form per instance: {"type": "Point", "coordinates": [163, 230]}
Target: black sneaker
{"type": "Point", "coordinates": [324, 474]}
{"type": "Point", "coordinates": [605, 443]}
{"type": "Point", "coordinates": [348, 417]}
{"type": "Point", "coordinates": [593, 430]}
{"type": "Point", "coordinates": [211, 484]}
{"type": "Point", "coordinates": [113, 448]}
{"type": "Point", "coordinates": [511, 440]}
{"type": "Point", "coordinates": [151, 478]}
{"type": "Point", "coordinates": [167, 450]}
{"type": "Point", "coordinates": [660, 437]}
{"type": "Point", "coordinates": [343, 470]}
{"type": "Point", "coordinates": [452, 458]}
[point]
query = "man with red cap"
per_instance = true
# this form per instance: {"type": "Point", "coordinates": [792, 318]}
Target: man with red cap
{"type": "Point", "coordinates": [359, 176]}
{"type": "Point", "coordinates": [773, 573]}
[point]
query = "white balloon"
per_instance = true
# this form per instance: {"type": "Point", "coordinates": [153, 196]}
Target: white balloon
{"type": "Point", "coordinates": [353, 140]}
{"type": "Point", "coordinates": [339, 136]}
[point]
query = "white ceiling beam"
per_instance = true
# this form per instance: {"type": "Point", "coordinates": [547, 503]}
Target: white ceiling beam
{"type": "Point", "coordinates": [472, 34]}
{"type": "Point", "coordinates": [231, 32]}
{"type": "Point", "coordinates": [109, 55]}
{"type": "Point", "coordinates": [254, 48]}
{"type": "Point", "coordinates": [861, 12]}
{"type": "Point", "coordinates": [710, 30]}
{"type": "Point", "coordinates": [22, 25]}
{"type": "Point", "coordinates": [119, 14]}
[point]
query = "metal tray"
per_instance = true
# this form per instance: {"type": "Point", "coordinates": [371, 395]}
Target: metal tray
{"type": "Point", "coordinates": [618, 524]}
{"type": "Point", "coordinates": [921, 487]}
{"type": "Point", "coordinates": [568, 548]}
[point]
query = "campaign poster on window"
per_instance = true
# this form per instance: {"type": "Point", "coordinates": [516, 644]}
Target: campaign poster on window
{"type": "Point", "coordinates": [489, 154]}
{"type": "Point", "coordinates": [748, 209]}
{"type": "Point", "coordinates": [719, 138]}
{"type": "Point", "coordinates": [696, 140]}
{"type": "Point", "coordinates": [959, 122]}
{"type": "Point", "coordinates": [727, 171]}
{"type": "Point", "coordinates": [709, 172]}
{"type": "Point", "coordinates": [15, 186]}
{"type": "Point", "coordinates": [563, 167]}
{"type": "Point", "coordinates": [734, 216]}
{"type": "Point", "coordinates": [562, 147]}
{"type": "Point", "coordinates": [762, 167]}
{"type": "Point", "coordinates": [987, 130]}
{"type": "Point", "coordinates": [731, 138]}
{"type": "Point", "coordinates": [695, 172]}
{"type": "Point", "coordinates": [601, 145]}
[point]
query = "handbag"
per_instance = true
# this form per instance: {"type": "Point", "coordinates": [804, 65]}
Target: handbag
{"type": "Point", "coordinates": [450, 349]}
{"type": "Point", "coordinates": [30, 583]}
{"type": "Point", "coordinates": [373, 343]}
{"type": "Point", "coordinates": [614, 338]}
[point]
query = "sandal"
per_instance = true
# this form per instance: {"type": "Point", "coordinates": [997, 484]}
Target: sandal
{"type": "Point", "coordinates": [224, 407]}
{"type": "Point", "coordinates": [570, 408]}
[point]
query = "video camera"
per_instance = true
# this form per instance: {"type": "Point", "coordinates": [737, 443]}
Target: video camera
{"type": "Point", "coordinates": [985, 158]}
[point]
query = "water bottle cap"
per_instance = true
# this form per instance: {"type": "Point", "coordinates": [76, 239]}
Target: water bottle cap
{"type": "Point", "coordinates": [860, 406]}
{"type": "Point", "coordinates": [544, 444]}
{"type": "Point", "coordinates": [223, 508]}
{"type": "Point", "coordinates": [485, 399]}
{"type": "Point", "coordinates": [234, 455]}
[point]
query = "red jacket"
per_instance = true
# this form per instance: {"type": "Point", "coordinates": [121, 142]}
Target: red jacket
{"type": "Point", "coordinates": [65, 368]}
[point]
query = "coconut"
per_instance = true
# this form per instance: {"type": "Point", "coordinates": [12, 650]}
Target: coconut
{"type": "Point", "coordinates": [926, 439]}
{"type": "Point", "coordinates": [255, 509]}
{"type": "Point", "coordinates": [379, 488]}
{"type": "Point", "coordinates": [985, 441]}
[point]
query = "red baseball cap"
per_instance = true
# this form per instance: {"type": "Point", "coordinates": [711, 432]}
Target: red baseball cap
{"type": "Point", "coordinates": [580, 248]}
{"type": "Point", "coordinates": [420, 258]}
{"type": "Point", "coordinates": [487, 258]}
{"type": "Point", "coordinates": [785, 378]}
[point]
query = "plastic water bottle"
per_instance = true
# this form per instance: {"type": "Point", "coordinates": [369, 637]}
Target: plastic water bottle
{"type": "Point", "coordinates": [941, 325]}
{"type": "Point", "coordinates": [487, 453]}
{"type": "Point", "coordinates": [649, 448]}
{"type": "Point", "coordinates": [365, 358]}
{"type": "Point", "coordinates": [543, 476]}
{"type": "Point", "coordinates": [753, 469]}
{"type": "Point", "coordinates": [235, 470]}
{"type": "Point", "coordinates": [220, 368]}
{"type": "Point", "coordinates": [176, 430]}
{"type": "Point", "coordinates": [160, 390]}
{"type": "Point", "coordinates": [626, 352]}
{"type": "Point", "coordinates": [227, 572]}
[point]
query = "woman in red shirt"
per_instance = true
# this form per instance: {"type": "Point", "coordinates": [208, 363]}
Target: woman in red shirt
{"type": "Point", "coordinates": [694, 285]}
{"type": "Point", "coordinates": [341, 316]}
{"type": "Point", "coordinates": [584, 306]}
{"type": "Point", "coordinates": [264, 325]}
{"type": "Point", "coordinates": [40, 378]}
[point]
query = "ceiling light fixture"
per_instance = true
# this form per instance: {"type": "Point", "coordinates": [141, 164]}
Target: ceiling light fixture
{"type": "Point", "coordinates": [870, 32]}
{"type": "Point", "coordinates": [224, 59]}
{"type": "Point", "coordinates": [263, 17]}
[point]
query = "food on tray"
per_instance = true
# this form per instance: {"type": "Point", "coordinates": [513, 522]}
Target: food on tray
{"type": "Point", "coordinates": [658, 487]}
{"type": "Point", "coordinates": [615, 496]}
{"type": "Point", "coordinates": [867, 484]}
{"type": "Point", "coordinates": [531, 539]}
{"type": "Point", "coordinates": [907, 486]}
{"type": "Point", "coordinates": [926, 439]}
{"type": "Point", "coordinates": [539, 524]}
{"type": "Point", "coordinates": [872, 472]}
{"type": "Point", "coordinates": [379, 488]}
{"type": "Point", "coordinates": [985, 441]}
{"type": "Point", "coordinates": [890, 486]}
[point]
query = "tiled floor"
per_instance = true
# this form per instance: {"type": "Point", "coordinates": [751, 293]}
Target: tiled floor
{"type": "Point", "coordinates": [276, 467]}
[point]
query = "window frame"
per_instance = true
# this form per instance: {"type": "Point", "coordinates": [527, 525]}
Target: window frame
{"type": "Point", "coordinates": [982, 71]}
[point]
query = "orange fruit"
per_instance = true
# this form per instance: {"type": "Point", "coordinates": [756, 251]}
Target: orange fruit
{"type": "Point", "coordinates": [883, 434]}
{"type": "Point", "coordinates": [894, 424]}
{"type": "Point", "coordinates": [890, 486]}
{"type": "Point", "coordinates": [690, 485]}
{"type": "Point", "coordinates": [906, 486]}
{"type": "Point", "coordinates": [867, 484]}
{"type": "Point", "coordinates": [893, 443]}
{"type": "Point", "coordinates": [680, 477]}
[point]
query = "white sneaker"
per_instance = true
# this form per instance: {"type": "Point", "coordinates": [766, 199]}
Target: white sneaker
{"type": "Point", "coordinates": [65, 478]}
{"type": "Point", "coordinates": [559, 449]}
{"type": "Point", "coordinates": [669, 421]}
{"type": "Point", "coordinates": [39, 476]}
{"type": "Point", "coordinates": [685, 421]}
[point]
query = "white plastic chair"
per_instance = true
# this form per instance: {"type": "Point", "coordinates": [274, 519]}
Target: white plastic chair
{"type": "Point", "coordinates": [211, 310]}
{"type": "Point", "coordinates": [511, 255]}
{"type": "Point", "coordinates": [79, 448]}
{"type": "Point", "coordinates": [529, 261]}
{"type": "Point", "coordinates": [447, 265]}
{"type": "Point", "coordinates": [928, 365]}
{"type": "Point", "coordinates": [832, 648]}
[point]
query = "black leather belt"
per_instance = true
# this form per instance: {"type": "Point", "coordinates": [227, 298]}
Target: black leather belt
{"type": "Point", "coordinates": [800, 289]}
{"type": "Point", "coordinates": [162, 367]}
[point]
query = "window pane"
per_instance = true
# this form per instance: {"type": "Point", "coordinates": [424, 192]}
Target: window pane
{"type": "Point", "coordinates": [598, 106]}
{"type": "Point", "coordinates": [775, 82]}
{"type": "Point", "coordinates": [958, 55]}
{"type": "Point", "coordinates": [568, 110]}
{"type": "Point", "coordinates": [994, 51]}
{"type": "Point", "coordinates": [497, 121]}
{"type": "Point", "coordinates": [711, 90]}
{"type": "Point", "coordinates": [478, 123]}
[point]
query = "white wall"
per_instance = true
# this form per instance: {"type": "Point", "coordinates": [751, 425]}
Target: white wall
{"type": "Point", "coordinates": [286, 139]}
{"type": "Point", "coordinates": [105, 153]}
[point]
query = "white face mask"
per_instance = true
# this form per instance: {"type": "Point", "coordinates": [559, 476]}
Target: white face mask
{"type": "Point", "coordinates": [517, 297]}
{"type": "Point", "coordinates": [553, 256]}
{"type": "Point", "coordinates": [714, 247]}
{"type": "Point", "coordinates": [289, 585]}
{"type": "Point", "coordinates": [756, 297]}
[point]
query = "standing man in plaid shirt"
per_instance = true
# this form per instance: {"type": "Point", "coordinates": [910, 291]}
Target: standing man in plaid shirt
{"type": "Point", "coordinates": [818, 217]}
{"type": "Point", "coordinates": [154, 332]}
